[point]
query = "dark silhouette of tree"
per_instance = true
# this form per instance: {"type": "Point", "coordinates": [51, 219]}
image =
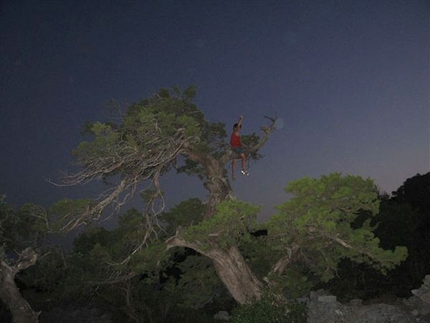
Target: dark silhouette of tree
{"type": "Point", "coordinates": [405, 219]}
{"type": "Point", "coordinates": [415, 191]}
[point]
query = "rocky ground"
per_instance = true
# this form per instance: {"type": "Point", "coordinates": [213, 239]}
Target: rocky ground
{"type": "Point", "coordinates": [325, 308]}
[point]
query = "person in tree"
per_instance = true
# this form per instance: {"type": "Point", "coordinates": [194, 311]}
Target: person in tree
{"type": "Point", "coordinates": [236, 146]}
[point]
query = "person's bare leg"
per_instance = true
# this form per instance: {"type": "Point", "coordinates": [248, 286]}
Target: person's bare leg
{"type": "Point", "coordinates": [233, 169]}
{"type": "Point", "coordinates": [244, 172]}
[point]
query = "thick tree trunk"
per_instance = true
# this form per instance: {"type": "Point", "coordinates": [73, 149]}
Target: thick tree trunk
{"type": "Point", "coordinates": [231, 268]}
{"type": "Point", "coordinates": [215, 180]}
{"type": "Point", "coordinates": [219, 190]}
{"type": "Point", "coordinates": [236, 275]}
{"type": "Point", "coordinates": [9, 292]}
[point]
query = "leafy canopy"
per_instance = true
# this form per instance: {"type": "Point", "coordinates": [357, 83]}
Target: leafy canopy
{"type": "Point", "coordinates": [149, 136]}
{"type": "Point", "coordinates": [320, 220]}
{"type": "Point", "coordinates": [163, 132]}
{"type": "Point", "coordinates": [22, 228]}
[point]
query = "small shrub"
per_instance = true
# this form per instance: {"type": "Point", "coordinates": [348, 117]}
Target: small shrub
{"type": "Point", "coordinates": [264, 311]}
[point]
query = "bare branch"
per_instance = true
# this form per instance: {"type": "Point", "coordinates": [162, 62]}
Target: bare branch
{"type": "Point", "coordinates": [26, 258]}
{"type": "Point", "coordinates": [282, 263]}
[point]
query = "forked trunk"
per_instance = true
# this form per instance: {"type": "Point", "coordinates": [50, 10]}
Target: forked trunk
{"type": "Point", "coordinates": [231, 268]}
{"type": "Point", "coordinates": [219, 190]}
{"type": "Point", "coordinates": [215, 180]}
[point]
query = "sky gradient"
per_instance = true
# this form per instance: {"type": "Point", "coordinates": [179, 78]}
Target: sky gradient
{"type": "Point", "coordinates": [350, 80]}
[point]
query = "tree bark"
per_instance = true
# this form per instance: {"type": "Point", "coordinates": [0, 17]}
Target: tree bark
{"type": "Point", "coordinates": [9, 292]}
{"type": "Point", "coordinates": [236, 275]}
{"type": "Point", "coordinates": [219, 190]}
{"type": "Point", "coordinates": [216, 181]}
{"type": "Point", "coordinates": [231, 268]}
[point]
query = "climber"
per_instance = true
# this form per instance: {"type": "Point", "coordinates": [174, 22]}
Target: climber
{"type": "Point", "coordinates": [236, 146]}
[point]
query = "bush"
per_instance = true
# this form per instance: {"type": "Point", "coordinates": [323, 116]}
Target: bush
{"type": "Point", "coordinates": [264, 311]}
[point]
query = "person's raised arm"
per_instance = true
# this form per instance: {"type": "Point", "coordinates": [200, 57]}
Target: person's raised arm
{"type": "Point", "coordinates": [239, 123]}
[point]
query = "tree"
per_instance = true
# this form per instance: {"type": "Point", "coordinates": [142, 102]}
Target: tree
{"type": "Point", "coordinates": [167, 131]}
{"type": "Point", "coordinates": [415, 191]}
{"type": "Point", "coordinates": [21, 232]}
{"type": "Point", "coordinates": [306, 240]}
{"type": "Point", "coordinates": [153, 285]}
{"type": "Point", "coordinates": [402, 220]}
{"type": "Point", "coordinates": [323, 216]}
{"type": "Point", "coordinates": [407, 213]}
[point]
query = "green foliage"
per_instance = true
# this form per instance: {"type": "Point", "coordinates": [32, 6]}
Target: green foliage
{"type": "Point", "coordinates": [255, 251]}
{"type": "Point", "coordinates": [22, 228]}
{"type": "Point", "coordinates": [296, 281]}
{"type": "Point", "coordinates": [22, 235]}
{"type": "Point", "coordinates": [319, 220]}
{"type": "Point", "coordinates": [331, 225]}
{"type": "Point", "coordinates": [267, 311]}
{"type": "Point", "coordinates": [93, 255]}
{"type": "Point", "coordinates": [120, 250]}
{"type": "Point", "coordinates": [250, 141]}
{"type": "Point", "coordinates": [401, 221]}
{"type": "Point", "coordinates": [187, 213]}
{"type": "Point", "coordinates": [397, 224]}
{"type": "Point", "coordinates": [105, 141]}
{"type": "Point", "coordinates": [44, 285]}
{"type": "Point", "coordinates": [230, 226]}
{"type": "Point", "coordinates": [66, 211]}
{"type": "Point", "coordinates": [151, 284]}
{"type": "Point", "coordinates": [196, 274]}
{"type": "Point", "coordinates": [152, 257]}
{"type": "Point", "coordinates": [86, 241]}
{"type": "Point", "coordinates": [150, 134]}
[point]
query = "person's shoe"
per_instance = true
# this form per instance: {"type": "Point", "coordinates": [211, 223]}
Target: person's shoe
{"type": "Point", "coordinates": [244, 172]}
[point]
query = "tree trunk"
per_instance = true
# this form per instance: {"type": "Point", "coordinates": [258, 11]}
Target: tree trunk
{"type": "Point", "coordinates": [219, 190]}
{"type": "Point", "coordinates": [9, 292]}
{"type": "Point", "coordinates": [231, 268]}
{"type": "Point", "coordinates": [215, 180]}
{"type": "Point", "coordinates": [236, 275]}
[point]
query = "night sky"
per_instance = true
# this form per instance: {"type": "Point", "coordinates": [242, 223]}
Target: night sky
{"type": "Point", "coordinates": [349, 79]}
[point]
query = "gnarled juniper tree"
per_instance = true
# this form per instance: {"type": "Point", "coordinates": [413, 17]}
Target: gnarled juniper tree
{"type": "Point", "coordinates": [168, 132]}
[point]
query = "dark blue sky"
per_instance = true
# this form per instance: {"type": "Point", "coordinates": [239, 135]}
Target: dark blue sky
{"type": "Point", "coordinates": [350, 79]}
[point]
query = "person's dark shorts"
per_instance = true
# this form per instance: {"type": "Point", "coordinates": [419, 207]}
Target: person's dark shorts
{"type": "Point", "coordinates": [237, 150]}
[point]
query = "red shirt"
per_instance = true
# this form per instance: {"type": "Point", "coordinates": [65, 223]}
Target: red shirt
{"type": "Point", "coordinates": [235, 140]}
